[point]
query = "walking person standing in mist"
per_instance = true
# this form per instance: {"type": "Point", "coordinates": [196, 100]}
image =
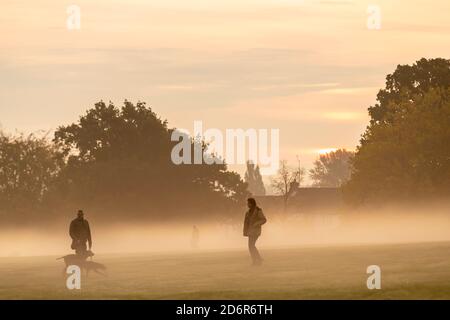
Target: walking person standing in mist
{"type": "Point", "coordinates": [195, 237]}
{"type": "Point", "coordinates": [80, 233]}
{"type": "Point", "coordinates": [254, 219]}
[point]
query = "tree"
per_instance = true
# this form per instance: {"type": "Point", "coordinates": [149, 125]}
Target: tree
{"type": "Point", "coordinates": [409, 83]}
{"type": "Point", "coordinates": [331, 169]}
{"type": "Point", "coordinates": [28, 166]}
{"type": "Point", "coordinates": [254, 180]}
{"type": "Point", "coordinates": [405, 151]}
{"type": "Point", "coordinates": [287, 181]}
{"type": "Point", "coordinates": [119, 161]}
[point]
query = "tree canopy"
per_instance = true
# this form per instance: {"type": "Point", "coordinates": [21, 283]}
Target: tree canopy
{"type": "Point", "coordinates": [115, 163]}
{"type": "Point", "coordinates": [28, 167]}
{"type": "Point", "coordinates": [409, 83]}
{"type": "Point", "coordinates": [331, 169]}
{"type": "Point", "coordinates": [405, 151]}
{"type": "Point", "coordinates": [118, 160]}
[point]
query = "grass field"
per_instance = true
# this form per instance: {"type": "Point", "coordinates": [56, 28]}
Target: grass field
{"type": "Point", "coordinates": [413, 271]}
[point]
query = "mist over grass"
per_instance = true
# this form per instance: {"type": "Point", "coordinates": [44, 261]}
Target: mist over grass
{"type": "Point", "coordinates": [424, 223]}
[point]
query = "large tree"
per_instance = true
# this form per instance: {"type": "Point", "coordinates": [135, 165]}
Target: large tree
{"type": "Point", "coordinates": [405, 151]}
{"type": "Point", "coordinates": [331, 169]}
{"type": "Point", "coordinates": [119, 162]}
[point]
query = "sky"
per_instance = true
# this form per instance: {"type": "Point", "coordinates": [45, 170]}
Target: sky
{"type": "Point", "coordinates": [309, 68]}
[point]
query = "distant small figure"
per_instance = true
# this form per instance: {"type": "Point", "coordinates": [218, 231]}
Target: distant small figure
{"type": "Point", "coordinates": [293, 188]}
{"type": "Point", "coordinates": [254, 219]}
{"type": "Point", "coordinates": [195, 237]}
{"type": "Point", "coordinates": [80, 233]}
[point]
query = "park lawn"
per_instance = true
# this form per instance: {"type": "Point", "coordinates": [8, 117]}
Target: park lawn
{"type": "Point", "coordinates": [409, 271]}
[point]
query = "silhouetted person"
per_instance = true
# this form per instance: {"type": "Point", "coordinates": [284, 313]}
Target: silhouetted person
{"type": "Point", "coordinates": [195, 237]}
{"type": "Point", "coordinates": [254, 219]}
{"type": "Point", "coordinates": [80, 233]}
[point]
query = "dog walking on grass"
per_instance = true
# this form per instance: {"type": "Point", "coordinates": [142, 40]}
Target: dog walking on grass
{"type": "Point", "coordinates": [81, 261]}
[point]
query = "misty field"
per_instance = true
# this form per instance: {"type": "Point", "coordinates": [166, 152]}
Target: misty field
{"type": "Point", "coordinates": [409, 271]}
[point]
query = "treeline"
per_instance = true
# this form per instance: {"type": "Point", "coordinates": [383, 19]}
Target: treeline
{"type": "Point", "coordinates": [115, 164]}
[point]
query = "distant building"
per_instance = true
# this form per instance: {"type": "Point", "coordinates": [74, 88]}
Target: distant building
{"type": "Point", "coordinates": [305, 200]}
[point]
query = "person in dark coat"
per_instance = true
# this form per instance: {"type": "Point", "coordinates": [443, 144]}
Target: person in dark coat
{"type": "Point", "coordinates": [80, 233]}
{"type": "Point", "coordinates": [254, 219]}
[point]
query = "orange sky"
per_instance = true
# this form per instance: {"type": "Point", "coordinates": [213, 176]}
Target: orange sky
{"type": "Point", "coordinates": [309, 68]}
